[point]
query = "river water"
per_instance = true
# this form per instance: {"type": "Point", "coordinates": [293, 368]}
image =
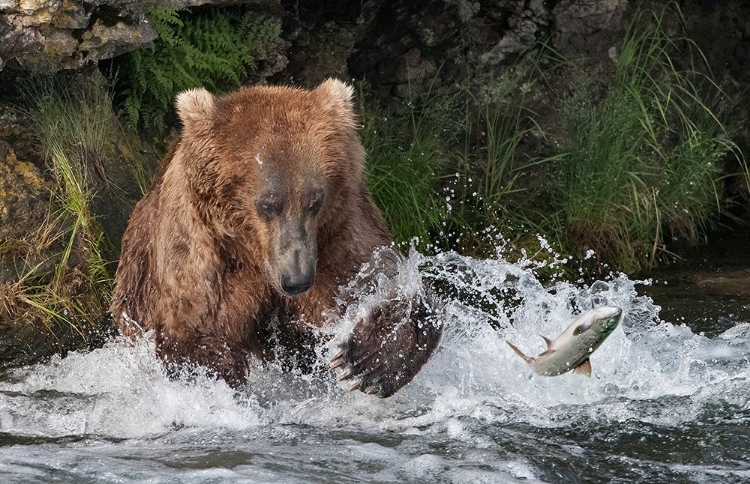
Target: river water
{"type": "Point", "coordinates": [665, 403]}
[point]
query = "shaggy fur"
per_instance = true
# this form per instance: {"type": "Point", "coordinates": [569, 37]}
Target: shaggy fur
{"type": "Point", "coordinates": [258, 214]}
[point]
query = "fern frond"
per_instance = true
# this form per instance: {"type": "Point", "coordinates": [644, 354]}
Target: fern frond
{"type": "Point", "coordinates": [212, 49]}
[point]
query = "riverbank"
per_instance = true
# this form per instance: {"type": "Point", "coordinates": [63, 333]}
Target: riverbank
{"type": "Point", "coordinates": [596, 133]}
{"type": "Point", "coordinates": [711, 280]}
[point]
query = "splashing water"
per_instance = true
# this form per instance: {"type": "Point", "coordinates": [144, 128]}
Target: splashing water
{"type": "Point", "coordinates": [662, 402]}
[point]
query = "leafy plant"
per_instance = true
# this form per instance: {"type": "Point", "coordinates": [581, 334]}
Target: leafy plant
{"type": "Point", "coordinates": [214, 49]}
{"type": "Point", "coordinates": [496, 192]}
{"type": "Point", "coordinates": [75, 129]}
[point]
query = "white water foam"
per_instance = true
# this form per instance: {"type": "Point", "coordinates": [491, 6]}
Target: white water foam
{"type": "Point", "coordinates": [647, 371]}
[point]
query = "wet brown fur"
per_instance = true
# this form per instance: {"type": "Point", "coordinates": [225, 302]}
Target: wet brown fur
{"type": "Point", "coordinates": [196, 264]}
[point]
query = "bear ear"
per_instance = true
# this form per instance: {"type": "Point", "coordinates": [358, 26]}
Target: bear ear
{"type": "Point", "coordinates": [339, 96]}
{"type": "Point", "coordinates": [195, 107]}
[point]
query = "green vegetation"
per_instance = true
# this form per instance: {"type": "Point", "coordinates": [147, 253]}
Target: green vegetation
{"type": "Point", "coordinates": [215, 49]}
{"type": "Point", "coordinates": [407, 157]}
{"type": "Point", "coordinates": [488, 190]}
{"type": "Point", "coordinates": [73, 131]}
{"type": "Point", "coordinates": [64, 269]}
{"type": "Point", "coordinates": [623, 173]}
{"type": "Point", "coordinates": [624, 170]}
{"type": "Point", "coordinates": [445, 180]}
{"type": "Point", "coordinates": [645, 163]}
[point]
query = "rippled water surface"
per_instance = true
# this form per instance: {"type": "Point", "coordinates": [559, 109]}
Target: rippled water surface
{"type": "Point", "coordinates": [664, 404]}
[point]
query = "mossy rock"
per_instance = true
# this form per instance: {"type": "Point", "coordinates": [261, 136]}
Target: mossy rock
{"type": "Point", "coordinates": [24, 194]}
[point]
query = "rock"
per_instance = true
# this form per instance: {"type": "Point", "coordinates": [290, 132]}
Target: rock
{"type": "Point", "coordinates": [24, 195]}
{"type": "Point", "coordinates": [521, 36]}
{"type": "Point", "coordinates": [582, 17]}
{"type": "Point", "coordinates": [412, 67]}
{"type": "Point", "coordinates": [730, 283]}
{"type": "Point", "coordinates": [67, 34]}
{"type": "Point", "coordinates": [466, 9]}
{"type": "Point", "coordinates": [25, 207]}
{"type": "Point", "coordinates": [320, 55]}
{"type": "Point", "coordinates": [588, 27]}
{"type": "Point", "coordinates": [62, 34]}
{"type": "Point", "coordinates": [51, 300]}
{"type": "Point", "coordinates": [322, 37]}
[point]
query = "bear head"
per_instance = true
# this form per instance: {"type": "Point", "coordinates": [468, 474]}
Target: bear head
{"type": "Point", "coordinates": [273, 172]}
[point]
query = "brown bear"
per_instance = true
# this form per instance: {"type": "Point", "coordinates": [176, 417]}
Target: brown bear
{"type": "Point", "coordinates": [258, 214]}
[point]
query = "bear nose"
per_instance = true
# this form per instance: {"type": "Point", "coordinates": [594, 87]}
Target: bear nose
{"type": "Point", "coordinates": [296, 284]}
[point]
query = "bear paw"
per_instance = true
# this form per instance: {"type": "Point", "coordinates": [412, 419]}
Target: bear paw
{"type": "Point", "coordinates": [388, 347]}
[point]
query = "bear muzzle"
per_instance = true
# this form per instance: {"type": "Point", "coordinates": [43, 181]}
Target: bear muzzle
{"type": "Point", "coordinates": [293, 259]}
{"type": "Point", "coordinates": [297, 270]}
{"type": "Point", "coordinates": [294, 284]}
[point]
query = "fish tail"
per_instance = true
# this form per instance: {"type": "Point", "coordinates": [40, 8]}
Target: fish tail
{"type": "Point", "coordinates": [519, 352]}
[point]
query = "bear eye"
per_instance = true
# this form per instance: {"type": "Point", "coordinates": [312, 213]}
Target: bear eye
{"type": "Point", "coordinates": [315, 203]}
{"type": "Point", "coordinates": [267, 208]}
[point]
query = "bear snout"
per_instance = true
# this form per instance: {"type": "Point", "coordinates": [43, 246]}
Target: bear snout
{"type": "Point", "coordinates": [297, 283]}
{"type": "Point", "coordinates": [294, 256]}
{"type": "Point", "coordinates": [297, 269]}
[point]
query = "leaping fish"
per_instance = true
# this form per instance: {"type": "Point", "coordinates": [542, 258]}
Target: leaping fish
{"type": "Point", "coordinates": [571, 350]}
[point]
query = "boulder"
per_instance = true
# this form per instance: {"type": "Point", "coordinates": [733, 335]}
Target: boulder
{"type": "Point", "coordinates": [67, 34]}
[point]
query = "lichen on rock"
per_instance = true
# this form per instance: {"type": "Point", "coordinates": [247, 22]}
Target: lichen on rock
{"type": "Point", "coordinates": [24, 194]}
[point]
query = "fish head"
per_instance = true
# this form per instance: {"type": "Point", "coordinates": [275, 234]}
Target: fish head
{"type": "Point", "coordinates": [602, 320]}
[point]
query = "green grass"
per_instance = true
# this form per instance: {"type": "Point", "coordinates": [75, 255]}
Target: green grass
{"type": "Point", "coordinates": [499, 126]}
{"type": "Point", "coordinates": [645, 164]}
{"type": "Point", "coordinates": [497, 122]}
{"type": "Point", "coordinates": [628, 172]}
{"type": "Point", "coordinates": [65, 279]}
{"type": "Point", "coordinates": [407, 157]}
{"type": "Point", "coordinates": [502, 172]}
{"type": "Point", "coordinates": [599, 173]}
{"type": "Point", "coordinates": [76, 134]}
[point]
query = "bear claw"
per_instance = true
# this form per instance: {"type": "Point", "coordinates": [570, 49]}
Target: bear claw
{"type": "Point", "coordinates": [344, 375]}
{"type": "Point", "coordinates": [338, 355]}
{"type": "Point", "coordinates": [372, 390]}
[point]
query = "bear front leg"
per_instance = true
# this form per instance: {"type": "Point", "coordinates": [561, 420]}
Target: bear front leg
{"type": "Point", "coordinates": [211, 353]}
{"type": "Point", "coordinates": [389, 345]}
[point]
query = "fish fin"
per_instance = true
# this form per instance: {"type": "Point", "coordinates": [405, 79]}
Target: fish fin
{"type": "Point", "coordinates": [519, 352]}
{"type": "Point", "coordinates": [546, 340]}
{"type": "Point", "coordinates": [584, 368]}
